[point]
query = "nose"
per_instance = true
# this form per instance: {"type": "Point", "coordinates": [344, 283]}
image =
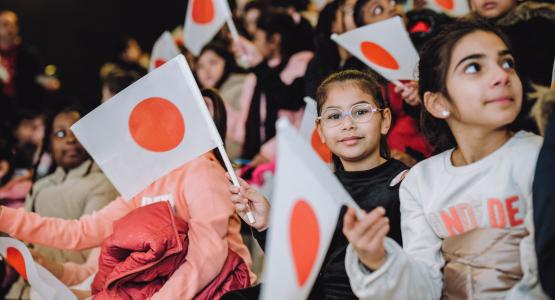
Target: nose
{"type": "Point", "coordinates": [70, 138]}
{"type": "Point", "coordinates": [501, 77]}
{"type": "Point", "coordinates": [347, 122]}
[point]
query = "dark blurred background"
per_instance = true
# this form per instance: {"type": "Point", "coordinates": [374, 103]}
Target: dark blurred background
{"type": "Point", "coordinates": [79, 36]}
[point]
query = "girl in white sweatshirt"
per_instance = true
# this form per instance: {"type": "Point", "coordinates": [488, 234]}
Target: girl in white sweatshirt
{"type": "Point", "coordinates": [466, 213]}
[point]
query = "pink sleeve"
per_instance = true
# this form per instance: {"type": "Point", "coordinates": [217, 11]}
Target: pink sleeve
{"type": "Point", "coordinates": [236, 120]}
{"type": "Point", "coordinates": [87, 232]}
{"type": "Point", "coordinates": [207, 194]}
{"type": "Point", "coordinates": [75, 273]}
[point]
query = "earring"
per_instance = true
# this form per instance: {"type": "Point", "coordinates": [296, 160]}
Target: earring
{"type": "Point", "coordinates": [445, 113]}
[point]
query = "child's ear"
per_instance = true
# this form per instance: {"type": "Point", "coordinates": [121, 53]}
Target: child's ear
{"type": "Point", "coordinates": [386, 121]}
{"type": "Point", "coordinates": [320, 133]}
{"type": "Point", "coordinates": [437, 105]}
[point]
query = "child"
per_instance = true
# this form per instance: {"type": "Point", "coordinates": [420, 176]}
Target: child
{"type": "Point", "coordinates": [465, 213]}
{"type": "Point", "coordinates": [198, 193]}
{"type": "Point", "coordinates": [353, 122]}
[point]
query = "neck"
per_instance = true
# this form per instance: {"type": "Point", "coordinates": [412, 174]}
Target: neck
{"type": "Point", "coordinates": [475, 144]}
{"type": "Point", "coordinates": [367, 163]}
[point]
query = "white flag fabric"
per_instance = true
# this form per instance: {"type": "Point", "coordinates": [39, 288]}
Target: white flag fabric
{"type": "Point", "coordinates": [204, 19]}
{"type": "Point", "coordinates": [454, 8]}
{"type": "Point", "coordinates": [309, 132]}
{"type": "Point", "coordinates": [306, 205]}
{"type": "Point", "coordinates": [152, 127]}
{"type": "Point", "coordinates": [46, 285]}
{"type": "Point", "coordinates": [164, 50]}
{"type": "Point", "coordinates": [384, 46]}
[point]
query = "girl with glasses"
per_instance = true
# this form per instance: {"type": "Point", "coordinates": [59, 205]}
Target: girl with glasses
{"type": "Point", "coordinates": [353, 121]}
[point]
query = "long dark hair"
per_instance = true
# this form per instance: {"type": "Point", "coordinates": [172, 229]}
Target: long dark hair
{"type": "Point", "coordinates": [219, 117]}
{"type": "Point", "coordinates": [272, 22]}
{"type": "Point", "coordinates": [433, 67]}
{"type": "Point", "coordinates": [367, 84]}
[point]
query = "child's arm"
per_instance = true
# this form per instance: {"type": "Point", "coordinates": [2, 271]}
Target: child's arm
{"type": "Point", "coordinates": [87, 232]}
{"type": "Point", "coordinates": [412, 273]}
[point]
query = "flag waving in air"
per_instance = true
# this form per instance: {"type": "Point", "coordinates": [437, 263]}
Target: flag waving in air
{"type": "Point", "coordinates": [46, 285]}
{"type": "Point", "coordinates": [204, 19]}
{"type": "Point", "coordinates": [152, 127]}
{"type": "Point", "coordinates": [164, 49]}
{"type": "Point", "coordinates": [385, 47]}
{"type": "Point", "coordinates": [309, 132]}
{"type": "Point", "coordinates": [306, 205]}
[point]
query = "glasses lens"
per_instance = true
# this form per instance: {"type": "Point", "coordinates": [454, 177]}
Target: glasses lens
{"type": "Point", "coordinates": [332, 117]}
{"type": "Point", "coordinates": [361, 113]}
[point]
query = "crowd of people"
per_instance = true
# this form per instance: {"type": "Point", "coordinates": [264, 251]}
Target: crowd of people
{"type": "Point", "coordinates": [451, 170]}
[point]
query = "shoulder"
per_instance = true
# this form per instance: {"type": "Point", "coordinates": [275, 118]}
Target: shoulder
{"type": "Point", "coordinates": [525, 144]}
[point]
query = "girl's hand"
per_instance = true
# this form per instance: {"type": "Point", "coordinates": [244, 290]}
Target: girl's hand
{"type": "Point", "coordinates": [80, 294]}
{"type": "Point", "coordinates": [409, 93]}
{"type": "Point", "coordinates": [246, 53]}
{"type": "Point", "coordinates": [367, 236]}
{"type": "Point", "coordinates": [245, 198]}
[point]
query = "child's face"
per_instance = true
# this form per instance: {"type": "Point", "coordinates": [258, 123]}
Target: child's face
{"type": "Point", "coordinates": [379, 10]}
{"type": "Point", "coordinates": [484, 88]}
{"type": "Point", "coordinates": [492, 9]}
{"type": "Point", "coordinates": [210, 69]}
{"type": "Point", "coordinates": [352, 141]}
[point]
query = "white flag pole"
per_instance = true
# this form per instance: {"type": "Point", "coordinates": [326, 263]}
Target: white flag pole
{"type": "Point", "coordinates": [233, 177]}
{"type": "Point", "coordinates": [243, 61]}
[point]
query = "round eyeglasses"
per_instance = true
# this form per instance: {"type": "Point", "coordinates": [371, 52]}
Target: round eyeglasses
{"type": "Point", "coordinates": [359, 113]}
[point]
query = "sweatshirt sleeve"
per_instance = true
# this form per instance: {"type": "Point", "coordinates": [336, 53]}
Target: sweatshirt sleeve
{"type": "Point", "coordinates": [74, 273]}
{"type": "Point", "coordinates": [410, 273]}
{"type": "Point", "coordinates": [87, 232]}
{"type": "Point", "coordinates": [209, 207]}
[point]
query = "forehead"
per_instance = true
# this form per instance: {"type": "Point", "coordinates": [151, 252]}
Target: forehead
{"type": "Point", "coordinates": [478, 42]}
{"type": "Point", "coordinates": [345, 94]}
{"type": "Point", "coordinates": [65, 119]}
{"type": "Point", "coordinates": [8, 17]}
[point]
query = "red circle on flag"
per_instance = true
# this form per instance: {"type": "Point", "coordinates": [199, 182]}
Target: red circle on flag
{"type": "Point", "coordinates": [157, 125]}
{"type": "Point", "coordinates": [304, 234]}
{"type": "Point", "coordinates": [203, 11]}
{"type": "Point", "coordinates": [158, 62]}
{"type": "Point", "coordinates": [446, 4]}
{"type": "Point", "coordinates": [378, 55]}
{"type": "Point", "coordinates": [16, 260]}
{"type": "Point", "coordinates": [320, 148]}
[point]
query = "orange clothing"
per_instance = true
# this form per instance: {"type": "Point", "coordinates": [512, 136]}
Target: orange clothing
{"type": "Point", "coordinates": [199, 193]}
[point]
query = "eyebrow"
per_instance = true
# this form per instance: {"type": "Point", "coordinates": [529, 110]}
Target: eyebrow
{"type": "Point", "coordinates": [503, 52]}
{"type": "Point", "coordinates": [359, 102]}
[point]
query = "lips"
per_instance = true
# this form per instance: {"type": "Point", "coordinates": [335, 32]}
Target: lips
{"type": "Point", "coordinates": [351, 140]}
{"type": "Point", "coordinates": [489, 5]}
{"type": "Point", "coordinates": [500, 100]}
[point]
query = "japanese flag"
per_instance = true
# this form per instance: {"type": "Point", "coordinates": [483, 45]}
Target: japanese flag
{"type": "Point", "coordinates": [454, 8]}
{"type": "Point", "coordinates": [310, 134]}
{"type": "Point", "coordinates": [384, 46]}
{"type": "Point", "coordinates": [204, 19]}
{"type": "Point", "coordinates": [46, 285]}
{"type": "Point", "coordinates": [164, 49]}
{"type": "Point", "coordinates": [150, 128]}
{"type": "Point", "coordinates": [306, 205]}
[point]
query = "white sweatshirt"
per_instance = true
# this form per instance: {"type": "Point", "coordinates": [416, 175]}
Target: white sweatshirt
{"type": "Point", "coordinates": [439, 201]}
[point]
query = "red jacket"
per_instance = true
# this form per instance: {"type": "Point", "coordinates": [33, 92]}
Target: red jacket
{"type": "Point", "coordinates": [144, 250]}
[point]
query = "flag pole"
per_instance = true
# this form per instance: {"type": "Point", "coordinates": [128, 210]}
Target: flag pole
{"type": "Point", "coordinates": [233, 177]}
{"type": "Point", "coordinates": [243, 61]}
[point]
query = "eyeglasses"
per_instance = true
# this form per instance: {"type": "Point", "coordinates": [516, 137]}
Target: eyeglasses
{"type": "Point", "coordinates": [60, 134]}
{"type": "Point", "coordinates": [359, 113]}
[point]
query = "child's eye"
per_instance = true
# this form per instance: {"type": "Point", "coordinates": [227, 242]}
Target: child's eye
{"type": "Point", "coordinates": [378, 11]}
{"type": "Point", "coordinates": [508, 64]}
{"type": "Point", "coordinates": [472, 68]}
{"type": "Point", "coordinates": [361, 112]}
{"type": "Point", "coordinates": [333, 116]}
